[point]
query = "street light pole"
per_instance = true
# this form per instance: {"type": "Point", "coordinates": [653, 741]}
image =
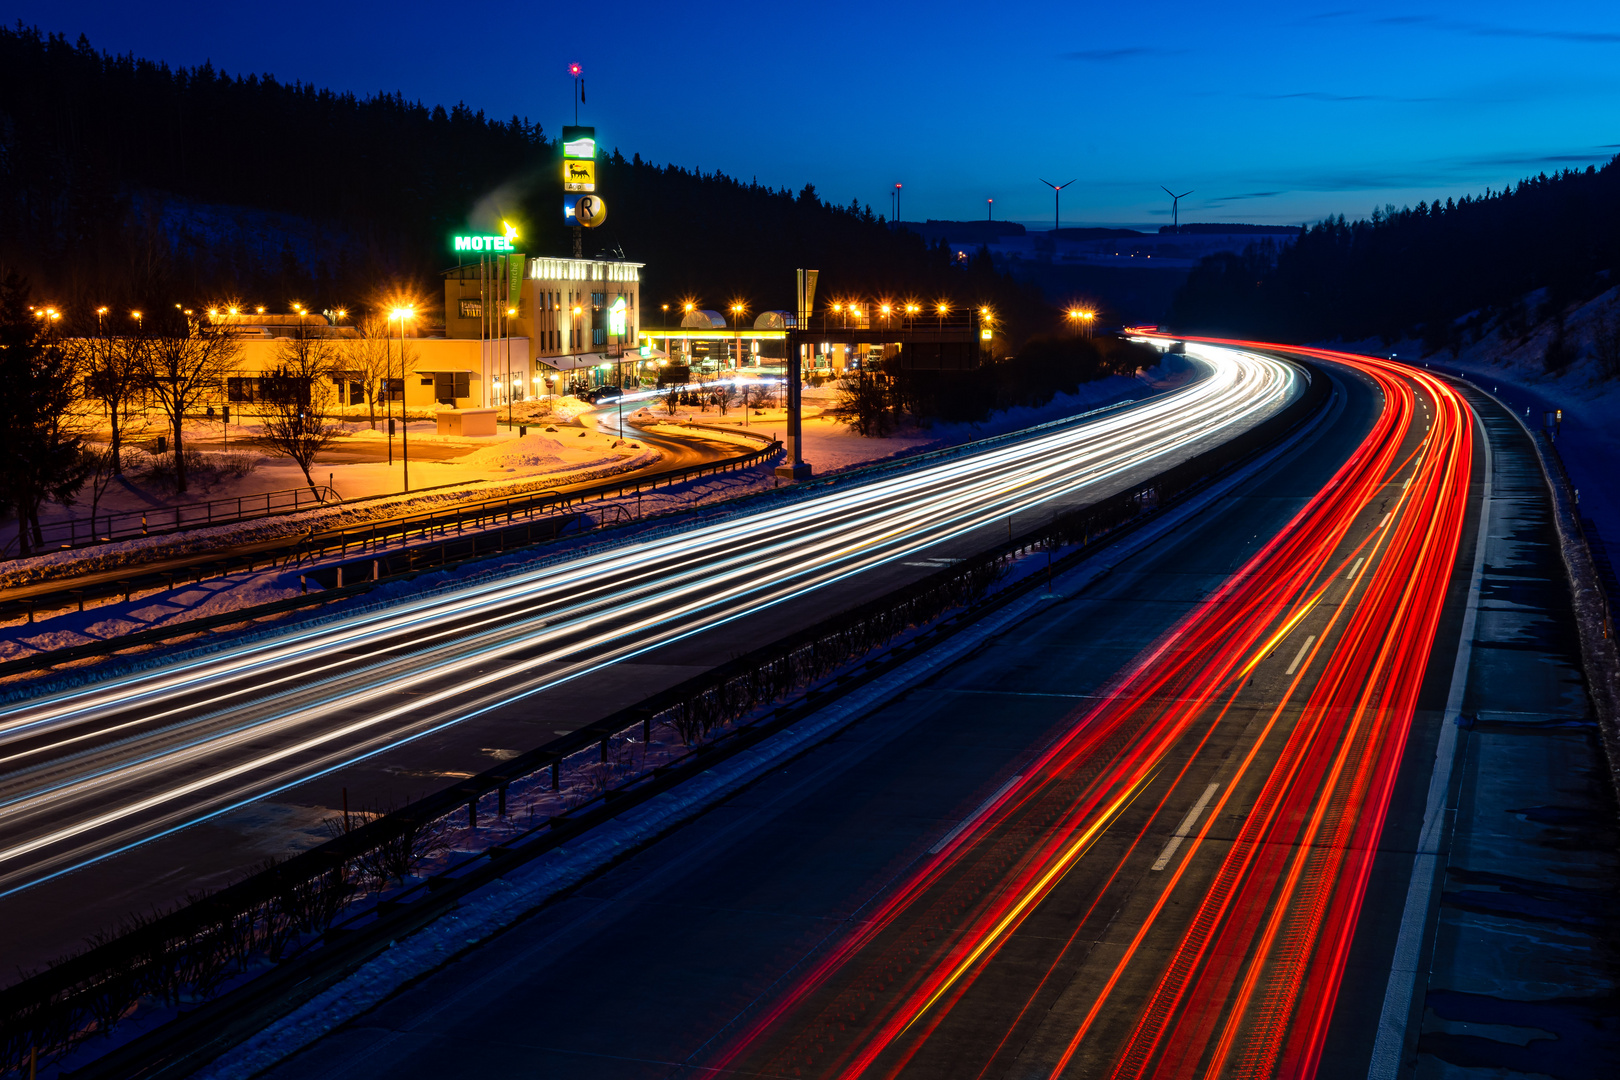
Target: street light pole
{"type": "Point", "coordinates": [404, 416]}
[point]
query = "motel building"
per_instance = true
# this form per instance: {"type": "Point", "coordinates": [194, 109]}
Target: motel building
{"type": "Point", "coordinates": [573, 323]}
{"type": "Point", "coordinates": [516, 327]}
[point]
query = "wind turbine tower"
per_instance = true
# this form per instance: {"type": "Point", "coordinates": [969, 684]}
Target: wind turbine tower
{"type": "Point", "coordinates": [1057, 203]}
{"type": "Point", "coordinates": [1175, 207]}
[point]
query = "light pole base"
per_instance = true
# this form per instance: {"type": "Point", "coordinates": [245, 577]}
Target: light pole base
{"type": "Point", "coordinates": [801, 471]}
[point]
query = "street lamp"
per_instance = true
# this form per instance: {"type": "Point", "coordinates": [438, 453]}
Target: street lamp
{"type": "Point", "coordinates": [1075, 317]}
{"type": "Point", "coordinates": [403, 313]}
{"type": "Point", "coordinates": [736, 325]}
{"type": "Point", "coordinates": [101, 315]}
{"type": "Point", "coordinates": [137, 316]}
{"type": "Point", "coordinates": [511, 384]}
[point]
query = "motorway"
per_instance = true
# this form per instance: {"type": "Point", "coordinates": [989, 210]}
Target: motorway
{"type": "Point", "coordinates": [97, 778]}
{"type": "Point", "coordinates": [1132, 836]}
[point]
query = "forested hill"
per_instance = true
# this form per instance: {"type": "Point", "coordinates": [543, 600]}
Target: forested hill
{"type": "Point", "coordinates": [124, 181]}
{"type": "Point", "coordinates": [1418, 270]}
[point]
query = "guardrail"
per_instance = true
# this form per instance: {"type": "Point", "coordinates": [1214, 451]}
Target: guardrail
{"type": "Point", "coordinates": [260, 947]}
{"type": "Point", "coordinates": [369, 537]}
{"type": "Point", "coordinates": [104, 528]}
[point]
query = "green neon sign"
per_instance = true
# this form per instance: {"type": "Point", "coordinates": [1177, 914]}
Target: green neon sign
{"type": "Point", "coordinates": [483, 243]}
{"type": "Point", "coordinates": [486, 242]}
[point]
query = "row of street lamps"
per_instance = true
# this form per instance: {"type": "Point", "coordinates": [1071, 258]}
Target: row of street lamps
{"type": "Point", "coordinates": [1081, 319]}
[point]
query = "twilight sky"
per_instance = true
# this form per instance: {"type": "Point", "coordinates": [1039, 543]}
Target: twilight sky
{"type": "Point", "coordinates": [1269, 111]}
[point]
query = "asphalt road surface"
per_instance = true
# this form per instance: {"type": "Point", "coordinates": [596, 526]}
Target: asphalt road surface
{"type": "Point", "coordinates": [130, 791]}
{"type": "Point", "coordinates": [1134, 835]}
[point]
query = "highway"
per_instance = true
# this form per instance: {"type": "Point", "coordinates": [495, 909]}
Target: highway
{"type": "Point", "coordinates": [1132, 836]}
{"type": "Point", "coordinates": [1241, 767]}
{"type": "Point", "coordinates": [113, 765]}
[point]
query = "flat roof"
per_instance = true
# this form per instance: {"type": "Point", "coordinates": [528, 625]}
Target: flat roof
{"type": "Point", "coordinates": [687, 333]}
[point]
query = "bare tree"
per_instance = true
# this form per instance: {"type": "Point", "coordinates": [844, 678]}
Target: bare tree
{"type": "Point", "coordinates": [863, 401]}
{"type": "Point", "coordinates": [756, 395]}
{"type": "Point", "coordinates": [370, 357]}
{"type": "Point", "coordinates": [115, 374]}
{"type": "Point", "coordinates": [297, 403]}
{"type": "Point", "coordinates": [185, 368]}
{"type": "Point", "coordinates": [101, 465]}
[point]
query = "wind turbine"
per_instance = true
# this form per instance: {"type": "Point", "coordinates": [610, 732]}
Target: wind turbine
{"type": "Point", "coordinates": [1175, 207]}
{"type": "Point", "coordinates": [1057, 197]}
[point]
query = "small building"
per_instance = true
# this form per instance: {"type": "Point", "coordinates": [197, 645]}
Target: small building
{"type": "Point", "coordinates": [476, 423]}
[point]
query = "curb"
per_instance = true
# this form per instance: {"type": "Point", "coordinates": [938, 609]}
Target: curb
{"type": "Point", "coordinates": [1599, 656]}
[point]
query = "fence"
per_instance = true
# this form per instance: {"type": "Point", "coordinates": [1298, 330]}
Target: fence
{"type": "Point", "coordinates": [366, 538]}
{"type": "Point", "coordinates": [103, 528]}
{"type": "Point", "coordinates": [283, 934]}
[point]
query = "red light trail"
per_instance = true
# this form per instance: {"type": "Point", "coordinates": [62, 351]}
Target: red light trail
{"type": "Point", "coordinates": [1230, 963]}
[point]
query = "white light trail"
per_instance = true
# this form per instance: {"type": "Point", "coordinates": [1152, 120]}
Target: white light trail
{"type": "Point", "coordinates": [106, 766]}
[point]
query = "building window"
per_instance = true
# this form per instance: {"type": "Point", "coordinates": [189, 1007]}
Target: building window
{"type": "Point", "coordinates": [450, 385]}
{"type": "Point", "coordinates": [598, 336]}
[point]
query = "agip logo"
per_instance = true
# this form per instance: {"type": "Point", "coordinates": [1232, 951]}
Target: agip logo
{"type": "Point", "coordinates": [579, 175]}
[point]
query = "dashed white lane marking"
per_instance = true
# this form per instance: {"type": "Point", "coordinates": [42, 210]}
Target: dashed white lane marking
{"type": "Point", "coordinates": [1187, 824]}
{"type": "Point", "coordinates": [1300, 655]}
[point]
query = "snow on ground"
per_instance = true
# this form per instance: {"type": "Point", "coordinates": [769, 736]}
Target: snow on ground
{"type": "Point", "coordinates": [1515, 369]}
{"type": "Point", "coordinates": [831, 445]}
{"type": "Point", "coordinates": [271, 472]}
{"type": "Point", "coordinates": [507, 465]}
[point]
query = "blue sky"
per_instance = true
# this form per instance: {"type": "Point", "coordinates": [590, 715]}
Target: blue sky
{"type": "Point", "coordinates": [1268, 112]}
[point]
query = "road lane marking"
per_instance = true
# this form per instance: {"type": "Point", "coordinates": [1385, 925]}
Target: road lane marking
{"type": "Point", "coordinates": [1406, 966]}
{"type": "Point", "coordinates": [1387, 516]}
{"type": "Point", "coordinates": [1187, 824]}
{"type": "Point", "coordinates": [971, 818]}
{"type": "Point", "coordinates": [1351, 576]}
{"type": "Point", "coordinates": [1300, 655]}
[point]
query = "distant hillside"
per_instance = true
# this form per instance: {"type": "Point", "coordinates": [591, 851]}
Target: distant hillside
{"type": "Point", "coordinates": [959, 233]}
{"type": "Point", "coordinates": [1094, 234]}
{"type": "Point", "coordinates": [1440, 269]}
{"type": "Point", "coordinates": [1219, 229]}
{"type": "Point", "coordinates": [129, 183]}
